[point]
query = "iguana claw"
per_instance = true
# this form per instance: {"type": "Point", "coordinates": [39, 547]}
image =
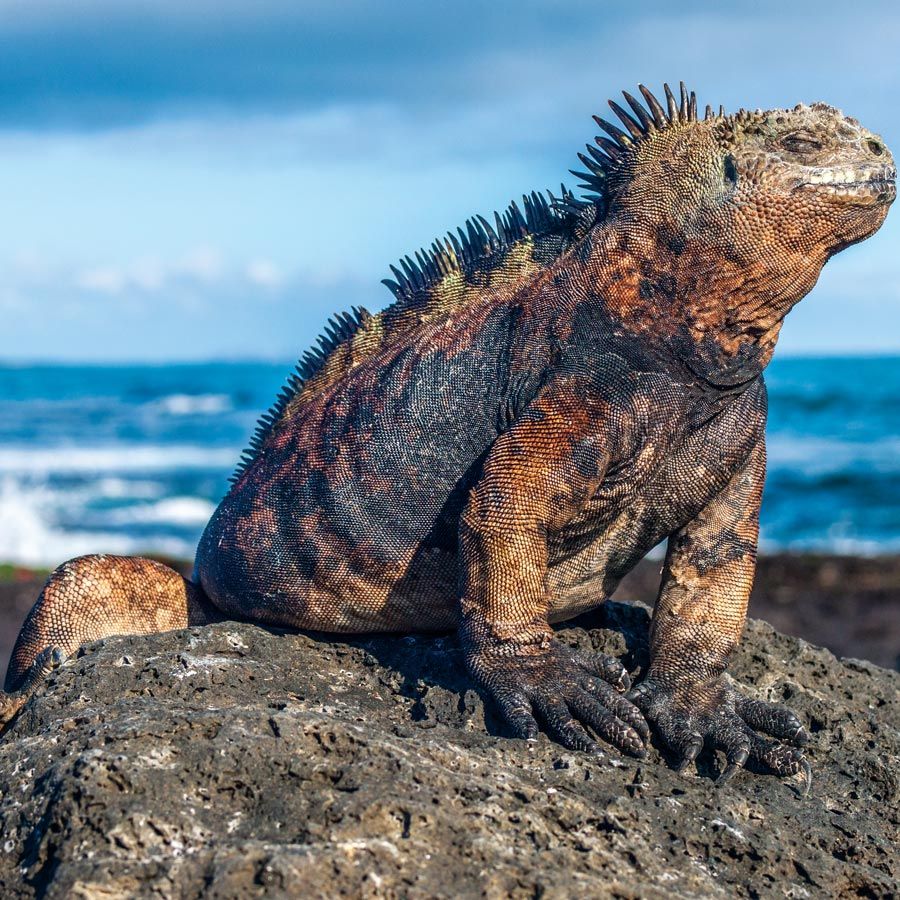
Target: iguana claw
{"type": "Point", "coordinates": [806, 778]}
{"type": "Point", "coordinates": [718, 715]}
{"type": "Point", "coordinates": [565, 690]}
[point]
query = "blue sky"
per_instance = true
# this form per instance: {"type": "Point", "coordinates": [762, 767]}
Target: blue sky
{"type": "Point", "coordinates": [212, 179]}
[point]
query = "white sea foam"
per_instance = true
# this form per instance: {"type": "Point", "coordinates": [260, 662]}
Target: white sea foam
{"type": "Point", "coordinates": [21, 460]}
{"type": "Point", "coordinates": [128, 488]}
{"type": "Point", "coordinates": [30, 535]}
{"type": "Point", "coordinates": [170, 511]}
{"type": "Point", "coordinates": [192, 404]}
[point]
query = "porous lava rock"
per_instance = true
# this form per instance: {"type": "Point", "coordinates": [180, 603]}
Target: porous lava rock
{"type": "Point", "coordinates": [239, 761]}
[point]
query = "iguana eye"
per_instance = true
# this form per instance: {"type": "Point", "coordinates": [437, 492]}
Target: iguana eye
{"type": "Point", "coordinates": [799, 143]}
{"type": "Point", "coordinates": [730, 170]}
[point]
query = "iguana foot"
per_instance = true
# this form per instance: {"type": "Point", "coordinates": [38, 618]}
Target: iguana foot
{"type": "Point", "coordinates": [10, 703]}
{"type": "Point", "coordinates": [564, 688]}
{"type": "Point", "coordinates": [718, 715]}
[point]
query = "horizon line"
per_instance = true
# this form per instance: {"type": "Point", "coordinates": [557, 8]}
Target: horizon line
{"type": "Point", "coordinates": [149, 362]}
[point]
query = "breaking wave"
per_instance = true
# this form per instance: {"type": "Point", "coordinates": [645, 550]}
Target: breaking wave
{"type": "Point", "coordinates": [192, 404]}
{"type": "Point", "coordinates": [32, 533]}
{"type": "Point", "coordinates": [102, 460]}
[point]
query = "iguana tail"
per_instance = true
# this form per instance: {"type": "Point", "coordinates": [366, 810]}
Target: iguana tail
{"type": "Point", "coordinates": [93, 597]}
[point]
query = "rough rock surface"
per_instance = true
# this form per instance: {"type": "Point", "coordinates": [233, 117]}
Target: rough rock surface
{"type": "Point", "coordinates": [235, 761]}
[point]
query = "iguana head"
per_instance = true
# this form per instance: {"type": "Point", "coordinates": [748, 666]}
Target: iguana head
{"type": "Point", "coordinates": [737, 214]}
{"type": "Point", "coordinates": [757, 183]}
{"type": "Point", "coordinates": [817, 176]}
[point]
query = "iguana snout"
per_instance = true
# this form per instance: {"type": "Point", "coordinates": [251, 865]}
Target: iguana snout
{"type": "Point", "coordinates": [839, 161]}
{"type": "Point", "coordinates": [823, 177]}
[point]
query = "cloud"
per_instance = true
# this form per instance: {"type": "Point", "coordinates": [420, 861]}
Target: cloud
{"type": "Point", "coordinates": [109, 63]}
{"type": "Point", "coordinates": [103, 279]}
{"type": "Point", "coordinates": [214, 177]}
{"type": "Point", "coordinates": [264, 273]}
{"type": "Point", "coordinates": [201, 267]}
{"type": "Point", "coordinates": [96, 65]}
{"type": "Point", "coordinates": [204, 264]}
{"type": "Point", "coordinates": [200, 304]}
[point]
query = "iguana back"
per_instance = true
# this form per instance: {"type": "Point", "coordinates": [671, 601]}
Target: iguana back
{"type": "Point", "coordinates": [461, 268]}
{"type": "Point", "coordinates": [455, 271]}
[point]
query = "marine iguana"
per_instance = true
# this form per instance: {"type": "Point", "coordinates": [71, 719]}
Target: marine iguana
{"type": "Point", "coordinates": [545, 401]}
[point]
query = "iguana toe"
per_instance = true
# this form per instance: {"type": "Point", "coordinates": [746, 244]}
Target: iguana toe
{"type": "Point", "coordinates": [772, 719]}
{"type": "Point", "coordinates": [564, 690]}
{"type": "Point", "coordinates": [12, 701]}
{"type": "Point", "coordinates": [720, 717]}
{"type": "Point", "coordinates": [608, 668]}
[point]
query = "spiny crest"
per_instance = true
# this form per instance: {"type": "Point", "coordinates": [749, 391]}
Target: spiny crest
{"type": "Point", "coordinates": [464, 263]}
{"type": "Point", "coordinates": [340, 328]}
{"type": "Point", "coordinates": [474, 245]}
{"type": "Point", "coordinates": [604, 160]}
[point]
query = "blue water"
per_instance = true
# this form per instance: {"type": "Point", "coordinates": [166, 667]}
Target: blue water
{"type": "Point", "coordinates": [134, 459]}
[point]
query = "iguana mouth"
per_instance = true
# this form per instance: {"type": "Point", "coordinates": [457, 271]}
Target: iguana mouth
{"type": "Point", "coordinates": [863, 183]}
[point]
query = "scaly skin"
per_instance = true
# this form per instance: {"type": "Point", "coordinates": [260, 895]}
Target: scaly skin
{"type": "Point", "coordinates": [539, 409]}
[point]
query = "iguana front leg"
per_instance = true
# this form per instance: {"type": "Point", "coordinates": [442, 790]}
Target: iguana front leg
{"type": "Point", "coordinates": [697, 623]}
{"type": "Point", "coordinates": [536, 476]}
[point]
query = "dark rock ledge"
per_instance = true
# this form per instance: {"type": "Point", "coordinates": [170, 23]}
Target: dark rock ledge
{"type": "Point", "coordinates": [235, 761]}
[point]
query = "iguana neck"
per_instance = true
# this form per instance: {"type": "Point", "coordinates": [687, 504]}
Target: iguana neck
{"type": "Point", "coordinates": [719, 313]}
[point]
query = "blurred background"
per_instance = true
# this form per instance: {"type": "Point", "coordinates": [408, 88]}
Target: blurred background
{"type": "Point", "coordinates": [189, 190]}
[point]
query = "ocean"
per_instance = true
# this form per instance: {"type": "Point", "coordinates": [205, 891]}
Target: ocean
{"type": "Point", "coordinates": [133, 459]}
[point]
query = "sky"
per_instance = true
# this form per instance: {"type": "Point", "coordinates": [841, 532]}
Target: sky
{"type": "Point", "coordinates": [211, 179]}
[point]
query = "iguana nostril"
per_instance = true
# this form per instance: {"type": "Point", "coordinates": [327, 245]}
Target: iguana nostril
{"type": "Point", "coordinates": [875, 147]}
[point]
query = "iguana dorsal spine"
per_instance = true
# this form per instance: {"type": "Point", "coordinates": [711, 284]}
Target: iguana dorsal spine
{"type": "Point", "coordinates": [446, 276]}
